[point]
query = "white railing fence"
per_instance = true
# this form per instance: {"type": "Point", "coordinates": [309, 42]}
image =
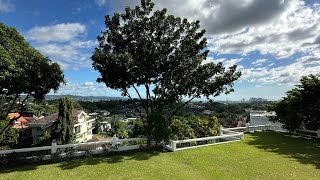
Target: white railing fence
{"type": "Point", "coordinates": [303, 132]}
{"type": "Point", "coordinates": [80, 149]}
{"type": "Point", "coordinates": [225, 136]}
{"type": "Point", "coordinates": [265, 127]}
{"type": "Point", "coordinates": [309, 133]}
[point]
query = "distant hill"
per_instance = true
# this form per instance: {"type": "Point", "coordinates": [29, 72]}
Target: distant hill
{"type": "Point", "coordinates": [85, 98]}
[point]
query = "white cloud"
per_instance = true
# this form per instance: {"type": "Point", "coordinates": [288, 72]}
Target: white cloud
{"type": "Point", "coordinates": [226, 62]}
{"type": "Point", "coordinates": [218, 16]}
{"type": "Point", "coordinates": [58, 51]}
{"type": "Point", "coordinates": [278, 27]}
{"type": "Point", "coordinates": [259, 62]}
{"type": "Point", "coordinates": [281, 28]}
{"type": "Point", "coordinates": [296, 30]}
{"type": "Point", "coordinates": [68, 56]}
{"type": "Point", "coordinates": [289, 74]}
{"type": "Point", "coordinates": [101, 2]}
{"type": "Point", "coordinates": [86, 89]}
{"type": "Point", "coordinates": [84, 44]}
{"type": "Point", "coordinates": [88, 84]}
{"type": "Point", "coordinates": [64, 44]}
{"type": "Point", "coordinates": [6, 6]}
{"type": "Point", "coordinates": [56, 33]}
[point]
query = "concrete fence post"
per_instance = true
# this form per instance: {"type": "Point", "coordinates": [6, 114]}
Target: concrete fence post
{"type": "Point", "coordinates": [221, 132]}
{"type": "Point", "coordinates": [242, 136]}
{"type": "Point", "coordinates": [318, 133]}
{"type": "Point", "coordinates": [53, 147]}
{"type": "Point", "coordinates": [248, 127]}
{"type": "Point", "coordinates": [173, 146]}
{"type": "Point", "coordinates": [114, 141]}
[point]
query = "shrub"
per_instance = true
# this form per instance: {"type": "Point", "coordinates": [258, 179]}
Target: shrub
{"type": "Point", "coordinates": [194, 127]}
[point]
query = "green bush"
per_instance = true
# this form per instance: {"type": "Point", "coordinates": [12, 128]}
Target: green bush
{"type": "Point", "coordinates": [194, 127]}
{"type": "Point", "coordinates": [180, 127]}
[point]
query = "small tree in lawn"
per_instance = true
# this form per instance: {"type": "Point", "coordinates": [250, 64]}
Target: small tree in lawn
{"type": "Point", "coordinates": [162, 54]}
{"type": "Point", "coordinates": [63, 130]}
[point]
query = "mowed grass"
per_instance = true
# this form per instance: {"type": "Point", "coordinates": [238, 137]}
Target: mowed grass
{"type": "Point", "coordinates": [262, 155]}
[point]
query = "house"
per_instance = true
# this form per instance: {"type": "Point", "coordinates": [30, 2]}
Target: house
{"type": "Point", "coordinates": [82, 126]}
{"type": "Point", "coordinates": [20, 123]}
{"type": "Point", "coordinates": [130, 119]}
{"type": "Point", "coordinates": [105, 126]}
{"type": "Point", "coordinates": [207, 112]}
{"type": "Point", "coordinates": [261, 117]}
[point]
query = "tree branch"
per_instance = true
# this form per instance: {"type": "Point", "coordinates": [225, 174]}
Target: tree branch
{"type": "Point", "coordinates": [137, 109]}
{"type": "Point", "coordinates": [149, 96]}
{"type": "Point", "coordinates": [172, 114]}
{"type": "Point", "coordinates": [141, 100]}
{"type": "Point", "coordinates": [12, 104]}
{"type": "Point", "coordinates": [3, 130]}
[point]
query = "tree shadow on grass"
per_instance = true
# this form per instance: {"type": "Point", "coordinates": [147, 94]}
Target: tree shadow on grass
{"type": "Point", "coordinates": [71, 163]}
{"type": "Point", "coordinates": [111, 158]}
{"type": "Point", "coordinates": [305, 151]}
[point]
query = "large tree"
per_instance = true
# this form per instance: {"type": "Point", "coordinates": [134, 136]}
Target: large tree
{"type": "Point", "coordinates": [63, 130]}
{"type": "Point", "coordinates": [162, 54]}
{"type": "Point", "coordinates": [301, 107]}
{"type": "Point", "coordinates": [24, 73]}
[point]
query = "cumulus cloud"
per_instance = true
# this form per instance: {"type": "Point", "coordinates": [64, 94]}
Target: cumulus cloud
{"type": "Point", "coordinates": [284, 29]}
{"type": "Point", "coordinates": [259, 62]}
{"type": "Point", "coordinates": [68, 56]}
{"type": "Point", "coordinates": [101, 2]}
{"type": "Point", "coordinates": [289, 74]}
{"type": "Point", "coordinates": [226, 62]}
{"type": "Point", "coordinates": [84, 44]}
{"type": "Point", "coordinates": [6, 6]}
{"type": "Point", "coordinates": [58, 33]}
{"type": "Point", "coordinates": [88, 84]}
{"type": "Point", "coordinates": [86, 89]}
{"type": "Point", "coordinates": [58, 51]}
{"type": "Point", "coordinates": [216, 16]}
{"type": "Point", "coordinates": [64, 43]}
{"type": "Point", "coordinates": [296, 30]}
{"type": "Point", "coordinates": [278, 27]}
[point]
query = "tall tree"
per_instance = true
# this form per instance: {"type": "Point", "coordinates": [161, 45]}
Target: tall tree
{"type": "Point", "coordinates": [63, 130]}
{"type": "Point", "coordinates": [24, 71]}
{"type": "Point", "coordinates": [301, 107]}
{"type": "Point", "coordinates": [160, 53]}
{"type": "Point", "coordinates": [10, 136]}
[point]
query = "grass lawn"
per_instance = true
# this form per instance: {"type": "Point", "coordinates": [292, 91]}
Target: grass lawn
{"type": "Point", "coordinates": [262, 155]}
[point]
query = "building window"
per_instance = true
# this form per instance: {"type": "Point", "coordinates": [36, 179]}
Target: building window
{"type": "Point", "coordinates": [77, 129]}
{"type": "Point", "coordinates": [39, 129]}
{"type": "Point", "coordinates": [81, 116]}
{"type": "Point", "coordinates": [89, 133]}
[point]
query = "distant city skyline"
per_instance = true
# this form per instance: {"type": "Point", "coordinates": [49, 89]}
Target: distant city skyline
{"type": "Point", "coordinates": [273, 42]}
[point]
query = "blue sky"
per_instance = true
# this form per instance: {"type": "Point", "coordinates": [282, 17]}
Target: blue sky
{"type": "Point", "coordinates": [273, 42]}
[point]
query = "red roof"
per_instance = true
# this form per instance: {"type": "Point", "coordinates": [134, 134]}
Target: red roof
{"type": "Point", "coordinates": [20, 119]}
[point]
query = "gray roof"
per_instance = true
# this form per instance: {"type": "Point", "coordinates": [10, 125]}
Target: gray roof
{"type": "Point", "coordinates": [48, 120]}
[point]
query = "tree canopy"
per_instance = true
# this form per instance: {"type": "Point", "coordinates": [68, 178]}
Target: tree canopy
{"type": "Point", "coordinates": [162, 54]}
{"type": "Point", "coordinates": [301, 107]}
{"type": "Point", "coordinates": [63, 130]}
{"type": "Point", "coordinates": [24, 71]}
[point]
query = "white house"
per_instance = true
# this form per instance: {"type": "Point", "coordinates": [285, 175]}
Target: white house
{"type": "Point", "coordinates": [260, 117]}
{"type": "Point", "coordinates": [82, 126]}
